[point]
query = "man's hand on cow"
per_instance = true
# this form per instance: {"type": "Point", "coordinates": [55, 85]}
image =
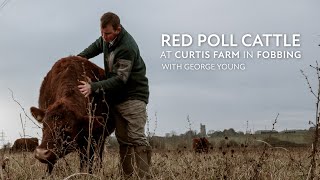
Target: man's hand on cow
{"type": "Point", "coordinates": [85, 88]}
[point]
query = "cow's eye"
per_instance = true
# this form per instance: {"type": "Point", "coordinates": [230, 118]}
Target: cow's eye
{"type": "Point", "coordinates": [67, 128]}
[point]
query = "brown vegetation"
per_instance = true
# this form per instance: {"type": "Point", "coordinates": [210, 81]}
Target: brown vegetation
{"type": "Point", "coordinates": [225, 163]}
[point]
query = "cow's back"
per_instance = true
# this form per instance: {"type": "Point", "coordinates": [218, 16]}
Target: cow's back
{"type": "Point", "coordinates": [62, 81]}
{"type": "Point", "coordinates": [25, 144]}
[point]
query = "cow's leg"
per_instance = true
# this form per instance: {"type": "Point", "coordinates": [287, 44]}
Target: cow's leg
{"type": "Point", "coordinates": [49, 168]}
{"type": "Point", "coordinates": [48, 171]}
{"type": "Point", "coordinates": [101, 151]}
{"type": "Point", "coordinates": [90, 161]}
{"type": "Point", "coordinates": [86, 160]}
{"type": "Point", "coordinates": [83, 160]}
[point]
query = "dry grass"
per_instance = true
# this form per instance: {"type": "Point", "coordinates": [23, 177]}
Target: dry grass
{"type": "Point", "coordinates": [226, 163]}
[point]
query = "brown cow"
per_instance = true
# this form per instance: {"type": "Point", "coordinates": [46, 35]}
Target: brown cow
{"type": "Point", "coordinates": [67, 116]}
{"type": "Point", "coordinates": [200, 145]}
{"type": "Point", "coordinates": [25, 144]}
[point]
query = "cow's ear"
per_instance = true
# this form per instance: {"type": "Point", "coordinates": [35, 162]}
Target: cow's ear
{"type": "Point", "coordinates": [37, 113]}
{"type": "Point", "coordinates": [97, 122]}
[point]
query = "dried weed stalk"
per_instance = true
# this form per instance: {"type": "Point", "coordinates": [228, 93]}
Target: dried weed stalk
{"type": "Point", "coordinates": [313, 164]}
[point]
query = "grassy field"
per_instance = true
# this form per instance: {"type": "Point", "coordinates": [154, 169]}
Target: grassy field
{"type": "Point", "coordinates": [220, 163]}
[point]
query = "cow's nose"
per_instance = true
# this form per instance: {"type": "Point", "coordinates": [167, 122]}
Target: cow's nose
{"type": "Point", "coordinates": [42, 154]}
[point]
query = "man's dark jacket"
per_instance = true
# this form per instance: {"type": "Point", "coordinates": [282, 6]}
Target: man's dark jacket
{"type": "Point", "coordinates": [124, 68]}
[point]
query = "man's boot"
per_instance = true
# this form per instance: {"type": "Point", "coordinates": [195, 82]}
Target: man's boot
{"type": "Point", "coordinates": [126, 160]}
{"type": "Point", "coordinates": [143, 160]}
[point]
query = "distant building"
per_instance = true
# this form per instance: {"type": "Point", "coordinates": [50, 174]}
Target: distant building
{"type": "Point", "coordinates": [203, 131]}
{"type": "Point", "coordinates": [266, 132]}
{"type": "Point", "coordinates": [288, 131]}
{"type": "Point", "coordinates": [292, 131]}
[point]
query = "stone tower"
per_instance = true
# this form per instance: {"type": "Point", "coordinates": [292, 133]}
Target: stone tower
{"type": "Point", "coordinates": [203, 132]}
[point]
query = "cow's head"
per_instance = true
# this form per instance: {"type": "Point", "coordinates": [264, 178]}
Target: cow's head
{"type": "Point", "coordinates": [195, 143]}
{"type": "Point", "coordinates": [62, 127]}
{"type": "Point", "coordinates": [204, 142]}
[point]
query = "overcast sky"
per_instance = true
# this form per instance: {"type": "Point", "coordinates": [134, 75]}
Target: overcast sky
{"type": "Point", "coordinates": [35, 34]}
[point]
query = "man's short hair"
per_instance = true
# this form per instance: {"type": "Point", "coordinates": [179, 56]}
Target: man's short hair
{"type": "Point", "coordinates": [110, 18]}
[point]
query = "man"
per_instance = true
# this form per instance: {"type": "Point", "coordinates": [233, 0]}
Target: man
{"type": "Point", "coordinates": [128, 91]}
